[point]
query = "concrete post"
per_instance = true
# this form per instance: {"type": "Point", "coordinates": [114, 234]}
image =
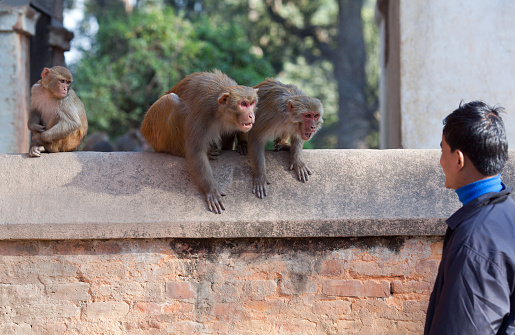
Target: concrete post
{"type": "Point", "coordinates": [17, 24]}
{"type": "Point", "coordinates": [434, 55]}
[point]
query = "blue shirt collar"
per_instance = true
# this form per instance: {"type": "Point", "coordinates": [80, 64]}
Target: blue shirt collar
{"type": "Point", "coordinates": [473, 190]}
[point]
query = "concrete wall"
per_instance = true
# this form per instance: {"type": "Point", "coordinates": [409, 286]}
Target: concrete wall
{"type": "Point", "coordinates": [17, 24]}
{"type": "Point", "coordinates": [440, 53]}
{"type": "Point", "coordinates": [122, 243]}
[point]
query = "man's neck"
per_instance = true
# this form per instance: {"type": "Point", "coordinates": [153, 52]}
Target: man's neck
{"type": "Point", "coordinates": [478, 188]}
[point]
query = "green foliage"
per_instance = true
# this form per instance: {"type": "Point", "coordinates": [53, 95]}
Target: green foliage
{"type": "Point", "coordinates": [139, 56]}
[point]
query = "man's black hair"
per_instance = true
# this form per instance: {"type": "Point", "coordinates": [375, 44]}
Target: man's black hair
{"type": "Point", "coordinates": [477, 130]}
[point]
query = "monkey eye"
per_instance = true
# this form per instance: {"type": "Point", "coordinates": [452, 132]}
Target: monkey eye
{"type": "Point", "coordinates": [317, 116]}
{"type": "Point", "coordinates": [307, 116]}
{"type": "Point", "coordinates": [62, 81]}
{"type": "Point", "coordinates": [244, 104]}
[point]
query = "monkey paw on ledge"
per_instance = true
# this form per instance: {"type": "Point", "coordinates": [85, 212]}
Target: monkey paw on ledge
{"type": "Point", "coordinates": [89, 195]}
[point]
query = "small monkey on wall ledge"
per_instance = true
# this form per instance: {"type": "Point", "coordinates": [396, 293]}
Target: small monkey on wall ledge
{"type": "Point", "coordinates": [283, 111]}
{"type": "Point", "coordinates": [192, 115]}
{"type": "Point", "coordinates": [57, 117]}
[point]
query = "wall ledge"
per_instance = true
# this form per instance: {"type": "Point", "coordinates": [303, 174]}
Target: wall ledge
{"type": "Point", "coordinates": [93, 195]}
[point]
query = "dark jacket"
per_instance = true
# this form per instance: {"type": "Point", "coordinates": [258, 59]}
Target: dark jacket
{"type": "Point", "coordinates": [475, 285]}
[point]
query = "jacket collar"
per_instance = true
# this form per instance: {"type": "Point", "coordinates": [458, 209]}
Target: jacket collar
{"type": "Point", "coordinates": [488, 198]}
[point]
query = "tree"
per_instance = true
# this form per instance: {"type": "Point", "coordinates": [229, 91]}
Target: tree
{"type": "Point", "coordinates": [304, 39]}
{"type": "Point", "coordinates": [140, 55]}
{"type": "Point", "coordinates": [339, 41]}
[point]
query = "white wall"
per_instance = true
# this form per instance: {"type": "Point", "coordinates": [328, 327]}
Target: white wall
{"type": "Point", "coordinates": [452, 51]}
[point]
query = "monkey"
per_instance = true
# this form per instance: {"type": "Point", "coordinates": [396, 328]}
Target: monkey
{"type": "Point", "coordinates": [57, 117]}
{"type": "Point", "coordinates": [98, 141]}
{"type": "Point", "coordinates": [233, 141]}
{"type": "Point", "coordinates": [131, 141]}
{"type": "Point", "coordinates": [195, 112]}
{"type": "Point", "coordinates": [283, 111]}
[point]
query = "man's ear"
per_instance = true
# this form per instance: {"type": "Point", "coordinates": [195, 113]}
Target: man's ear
{"type": "Point", "coordinates": [461, 159]}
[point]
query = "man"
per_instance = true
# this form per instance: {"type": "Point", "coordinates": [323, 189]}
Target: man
{"type": "Point", "coordinates": [474, 292]}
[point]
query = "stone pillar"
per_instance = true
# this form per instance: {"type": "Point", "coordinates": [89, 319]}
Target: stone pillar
{"type": "Point", "coordinates": [52, 39]}
{"type": "Point", "coordinates": [17, 25]}
{"type": "Point", "coordinates": [437, 53]}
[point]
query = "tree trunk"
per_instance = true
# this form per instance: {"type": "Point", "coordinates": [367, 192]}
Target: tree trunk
{"type": "Point", "coordinates": [349, 71]}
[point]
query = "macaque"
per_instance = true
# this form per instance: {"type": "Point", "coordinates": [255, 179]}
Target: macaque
{"type": "Point", "coordinates": [98, 141]}
{"type": "Point", "coordinates": [192, 115]}
{"type": "Point", "coordinates": [237, 140]}
{"type": "Point", "coordinates": [57, 118]}
{"type": "Point", "coordinates": [131, 141]}
{"type": "Point", "coordinates": [282, 111]}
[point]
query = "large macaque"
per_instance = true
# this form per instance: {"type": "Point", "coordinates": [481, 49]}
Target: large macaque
{"type": "Point", "coordinates": [192, 115]}
{"type": "Point", "coordinates": [57, 118]}
{"type": "Point", "coordinates": [283, 112]}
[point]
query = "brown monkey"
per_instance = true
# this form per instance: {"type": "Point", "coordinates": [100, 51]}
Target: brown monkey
{"type": "Point", "coordinates": [57, 117]}
{"type": "Point", "coordinates": [231, 141]}
{"type": "Point", "coordinates": [192, 115]}
{"type": "Point", "coordinates": [98, 141]}
{"type": "Point", "coordinates": [283, 111]}
{"type": "Point", "coordinates": [131, 141]}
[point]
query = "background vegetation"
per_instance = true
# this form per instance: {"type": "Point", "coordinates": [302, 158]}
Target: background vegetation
{"type": "Point", "coordinates": [141, 49]}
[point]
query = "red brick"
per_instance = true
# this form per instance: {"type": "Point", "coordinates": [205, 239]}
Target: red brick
{"type": "Point", "coordinates": [178, 307]}
{"type": "Point", "coordinates": [187, 327]}
{"type": "Point", "coordinates": [399, 286]}
{"type": "Point", "coordinates": [148, 308]}
{"type": "Point", "coordinates": [332, 267]}
{"type": "Point", "coordinates": [332, 308]}
{"type": "Point", "coordinates": [179, 290]}
{"type": "Point", "coordinates": [427, 268]}
{"type": "Point", "coordinates": [356, 288]}
{"type": "Point", "coordinates": [297, 326]}
{"type": "Point", "coordinates": [107, 310]}
{"type": "Point", "coordinates": [229, 311]}
{"type": "Point", "coordinates": [260, 289]}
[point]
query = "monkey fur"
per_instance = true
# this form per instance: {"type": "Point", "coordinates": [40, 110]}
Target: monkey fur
{"type": "Point", "coordinates": [283, 111]}
{"type": "Point", "coordinates": [192, 115]}
{"type": "Point", "coordinates": [57, 117]}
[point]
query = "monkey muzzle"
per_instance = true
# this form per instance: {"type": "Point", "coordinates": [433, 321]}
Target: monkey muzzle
{"type": "Point", "coordinates": [246, 126]}
{"type": "Point", "coordinates": [307, 136]}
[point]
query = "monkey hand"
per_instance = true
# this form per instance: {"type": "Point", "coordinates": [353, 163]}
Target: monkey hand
{"type": "Point", "coordinates": [302, 171]}
{"type": "Point", "coordinates": [241, 148]}
{"type": "Point", "coordinates": [214, 201]}
{"type": "Point", "coordinates": [36, 139]}
{"type": "Point", "coordinates": [214, 151]}
{"type": "Point", "coordinates": [37, 128]}
{"type": "Point", "coordinates": [281, 147]}
{"type": "Point", "coordinates": [259, 186]}
{"type": "Point", "coordinates": [35, 151]}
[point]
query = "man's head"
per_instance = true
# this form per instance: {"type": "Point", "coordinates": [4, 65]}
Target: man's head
{"type": "Point", "coordinates": [475, 131]}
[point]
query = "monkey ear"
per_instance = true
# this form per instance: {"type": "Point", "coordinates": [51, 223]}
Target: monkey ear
{"type": "Point", "coordinates": [45, 72]}
{"type": "Point", "coordinates": [291, 107]}
{"type": "Point", "coordinates": [224, 98]}
{"type": "Point", "coordinates": [256, 90]}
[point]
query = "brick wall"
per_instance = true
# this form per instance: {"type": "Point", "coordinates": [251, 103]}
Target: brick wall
{"type": "Point", "coordinates": [121, 243]}
{"type": "Point", "coordinates": [376, 285]}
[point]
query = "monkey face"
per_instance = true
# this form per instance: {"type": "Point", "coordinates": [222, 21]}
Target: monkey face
{"type": "Point", "coordinates": [246, 115]}
{"type": "Point", "coordinates": [240, 102]}
{"type": "Point", "coordinates": [57, 80]}
{"type": "Point", "coordinates": [61, 87]}
{"type": "Point", "coordinates": [309, 125]}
